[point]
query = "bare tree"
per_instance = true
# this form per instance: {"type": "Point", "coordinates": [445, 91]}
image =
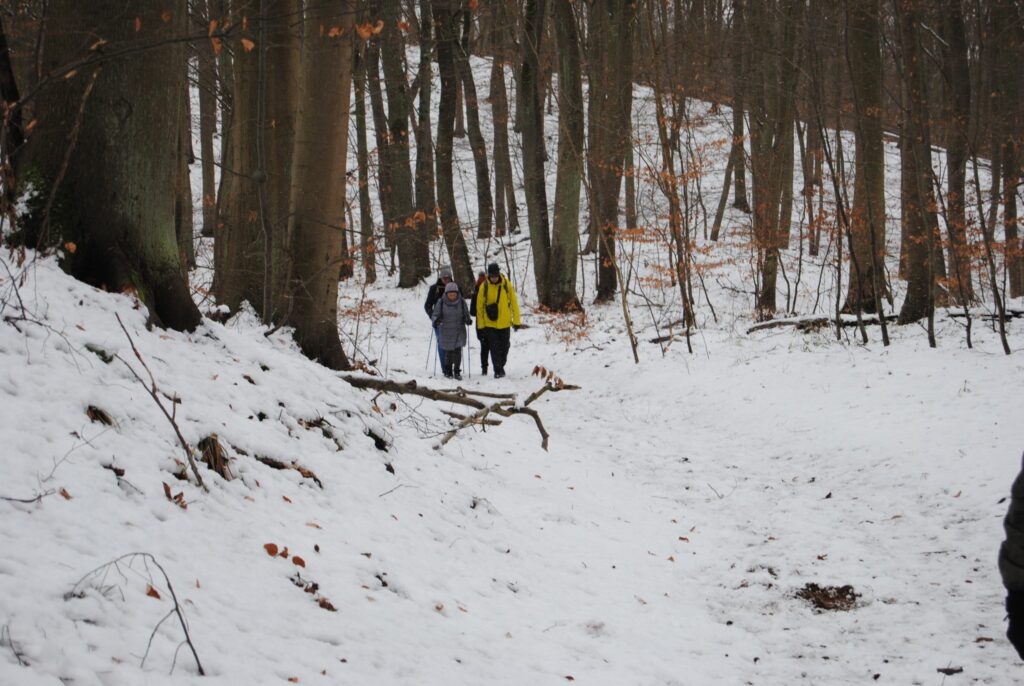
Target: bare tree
{"type": "Point", "coordinates": [318, 199]}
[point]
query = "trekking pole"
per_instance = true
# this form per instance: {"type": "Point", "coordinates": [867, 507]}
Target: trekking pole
{"type": "Point", "coordinates": [426, 362]}
{"type": "Point", "coordinates": [469, 358]}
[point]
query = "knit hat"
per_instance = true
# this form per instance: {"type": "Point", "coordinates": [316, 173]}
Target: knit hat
{"type": "Point", "coordinates": [451, 288]}
{"type": "Point", "coordinates": [493, 269]}
{"type": "Point", "coordinates": [444, 271]}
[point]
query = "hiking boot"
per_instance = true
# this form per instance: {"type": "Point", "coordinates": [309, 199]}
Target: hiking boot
{"type": "Point", "coordinates": [499, 375]}
{"type": "Point", "coordinates": [458, 376]}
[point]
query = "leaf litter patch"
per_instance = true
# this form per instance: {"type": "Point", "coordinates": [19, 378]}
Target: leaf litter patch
{"type": "Point", "coordinates": [837, 598]}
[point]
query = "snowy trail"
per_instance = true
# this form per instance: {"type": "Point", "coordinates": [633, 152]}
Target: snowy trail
{"type": "Point", "coordinates": [715, 487]}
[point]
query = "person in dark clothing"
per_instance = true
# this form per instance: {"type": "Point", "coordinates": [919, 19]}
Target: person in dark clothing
{"type": "Point", "coordinates": [485, 350]}
{"type": "Point", "coordinates": [1011, 564]}
{"type": "Point", "coordinates": [451, 317]}
{"type": "Point", "coordinates": [497, 309]}
{"type": "Point", "coordinates": [435, 293]}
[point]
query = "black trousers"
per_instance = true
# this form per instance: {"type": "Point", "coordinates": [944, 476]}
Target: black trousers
{"type": "Point", "coordinates": [485, 348]}
{"type": "Point", "coordinates": [452, 362]}
{"type": "Point", "coordinates": [498, 342]}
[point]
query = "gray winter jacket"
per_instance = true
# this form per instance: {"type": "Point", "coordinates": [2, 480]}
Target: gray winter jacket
{"type": "Point", "coordinates": [451, 318]}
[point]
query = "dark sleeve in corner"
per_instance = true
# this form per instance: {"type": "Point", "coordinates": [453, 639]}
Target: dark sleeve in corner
{"type": "Point", "coordinates": [1011, 553]}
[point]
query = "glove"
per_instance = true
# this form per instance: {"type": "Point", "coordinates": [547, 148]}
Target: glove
{"type": "Point", "coordinates": [1015, 610]}
{"type": "Point", "coordinates": [515, 327]}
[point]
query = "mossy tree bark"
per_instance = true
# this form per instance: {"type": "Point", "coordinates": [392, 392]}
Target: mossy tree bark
{"type": "Point", "coordinates": [119, 165]}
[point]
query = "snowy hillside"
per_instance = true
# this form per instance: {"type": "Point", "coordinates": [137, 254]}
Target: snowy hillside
{"type": "Point", "coordinates": [667, 535]}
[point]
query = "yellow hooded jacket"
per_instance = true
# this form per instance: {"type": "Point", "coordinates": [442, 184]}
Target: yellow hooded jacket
{"type": "Point", "coordinates": [508, 306]}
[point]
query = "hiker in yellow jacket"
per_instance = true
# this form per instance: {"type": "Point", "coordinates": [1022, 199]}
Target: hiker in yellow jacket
{"type": "Point", "coordinates": [497, 309]}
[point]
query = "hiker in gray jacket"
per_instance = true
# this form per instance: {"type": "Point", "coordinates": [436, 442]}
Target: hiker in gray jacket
{"type": "Point", "coordinates": [450, 318]}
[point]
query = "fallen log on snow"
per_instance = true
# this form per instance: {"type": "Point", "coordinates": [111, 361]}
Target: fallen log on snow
{"type": "Point", "coordinates": [814, 323]}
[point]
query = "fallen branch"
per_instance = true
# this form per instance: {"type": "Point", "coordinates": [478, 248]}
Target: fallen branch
{"type": "Point", "coordinates": [459, 396]}
{"type": "Point", "coordinates": [507, 408]}
{"type": "Point", "coordinates": [1009, 314]}
{"type": "Point", "coordinates": [154, 393]}
{"type": "Point", "coordinates": [509, 411]}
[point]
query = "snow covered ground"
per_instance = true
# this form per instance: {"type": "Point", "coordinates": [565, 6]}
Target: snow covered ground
{"type": "Point", "coordinates": [662, 538]}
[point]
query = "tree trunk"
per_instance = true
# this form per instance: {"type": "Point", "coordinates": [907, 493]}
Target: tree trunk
{"type": "Point", "coordinates": [867, 221]}
{"type": "Point", "coordinates": [739, 86]}
{"type": "Point", "coordinates": [366, 242]}
{"type": "Point", "coordinates": [531, 105]}
{"type": "Point", "coordinates": [772, 114]}
{"type": "Point", "coordinates": [1007, 25]}
{"type": "Point", "coordinates": [506, 215]}
{"type": "Point", "coordinates": [957, 81]}
{"type": "Point", "coordinates": [785, 225]}
{"type": "Point", "coordinates": [410, 255]}
{"type": "Point", "coordinates": [183, 224]}
{"type": "Point", "coordinates": [458, 252]}
{"type": "Point", "coordinates": [923, 243]}
{"type": "Point", "coordinates": [282, 45]}
{"type": "Point", "coordinates": [630, 174]}
{"type": "Point", "coordinates": [238, 242]}
{"type": "Point", "coordinates": [116, 202]}
{"type": "Point", "coordinates": [318, 168]}
{"type": "Point", "coordinates": [207, 77]}
{"type": "Point", "coordinates": [611, 98]}
{"type": "Point", "coordinates": [476, 136]}
{"type": "Point", "coordinates": [380, 128]}
{"type": "Point", "coordinates": [426, 202]}
{"type": "Point", "coordinates": [561, 276]}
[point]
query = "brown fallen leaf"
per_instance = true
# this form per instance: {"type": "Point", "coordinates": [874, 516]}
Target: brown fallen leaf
{"type": "Point", "coordinates": [271, 549]}
{"type": "Point", "coordinates": [298, 561]}
{"type": "Point", "coordinates": [152, 592]}
{"type": "Point", "coordinates": [64, 494]}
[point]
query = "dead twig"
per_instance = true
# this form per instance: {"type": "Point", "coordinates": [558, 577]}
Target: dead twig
{"type": "Point", "coordinates": [77, 592]}
{"type": "Point", "coordinates": [5, 639]}
{"type": "Point", "coordinates": [28, 500]}
{"type": "Point", "coordinates": [154, 393]}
